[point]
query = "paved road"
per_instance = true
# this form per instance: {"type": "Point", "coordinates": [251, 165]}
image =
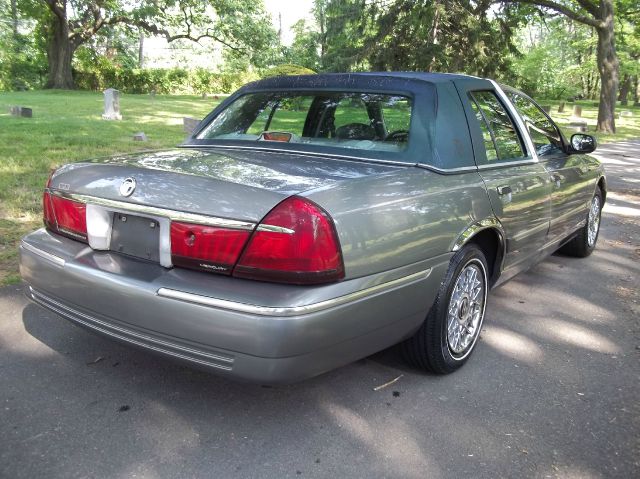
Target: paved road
{"type": "Point", "coordinates": [552, 390]}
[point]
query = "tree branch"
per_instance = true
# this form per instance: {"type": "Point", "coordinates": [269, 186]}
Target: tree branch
{"type": "Point", "coordinates": [58, 10]}
{"type": "Point", "coordinates": [590, 7]}
{"type": "Point", "coordinates": [87, 28]}
{"type": "Point", "coordinates": [168, 36]}
{"type": "Point", "coordinates": [551, 5]}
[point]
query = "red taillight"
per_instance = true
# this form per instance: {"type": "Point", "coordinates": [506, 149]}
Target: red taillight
{"type": "Point", "coordinates": [295, 243]}
{"type": "Point", "coordinates": [71, 217]}
{"type": "Point", "coordinates": [47, 211]}
{"type": "Point", "coordinates": [206, 247]}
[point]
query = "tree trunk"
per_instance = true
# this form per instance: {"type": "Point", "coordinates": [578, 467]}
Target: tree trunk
{"type": "Point", "coordinates": [608, 68]}
{"type": "Point", "coordinates": [14, 19]}
{"type": "Point", "coordinates": [59, 55]}
{"type": "Point", "coordinates": [625, 87]}
{"type": "Point", "coordinates": [636, 93]}
{"type": "Point", "coordinates": [433, 37]}
{"type": "Point", "coordinates": [141, 50]}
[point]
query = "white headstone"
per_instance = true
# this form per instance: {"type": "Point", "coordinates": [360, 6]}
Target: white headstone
{"type": "Point", "coordinates": [111, 105]}
{"type": "Point", "coordinates": [580, 126]}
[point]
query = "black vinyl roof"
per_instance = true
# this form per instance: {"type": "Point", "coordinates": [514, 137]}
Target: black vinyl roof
{"type": "Point", "coordinates": [386, 80]}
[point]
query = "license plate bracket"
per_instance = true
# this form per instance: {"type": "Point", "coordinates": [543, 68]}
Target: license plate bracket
{"type": "Point", "coordinates": [136, 236]}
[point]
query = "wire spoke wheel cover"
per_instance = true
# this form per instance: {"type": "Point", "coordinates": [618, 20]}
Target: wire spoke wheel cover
{"type": "Point", "coordinates": [466, 309]}
{"type": "Point", "coordinates": [593, 221]}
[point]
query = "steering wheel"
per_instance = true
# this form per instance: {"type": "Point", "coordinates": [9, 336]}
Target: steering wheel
{"type": "Point", "coordinates": [398, 136]}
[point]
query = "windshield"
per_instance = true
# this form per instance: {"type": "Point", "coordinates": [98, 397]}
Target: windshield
{"type": "Point", "coordinates": [362, 121]}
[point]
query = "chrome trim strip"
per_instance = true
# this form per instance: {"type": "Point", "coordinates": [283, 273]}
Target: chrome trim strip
{"type": "Point", "coordinates": [459, 169]}
{"type": "Point", "coordinates": [508, 163]}
{"type": "Point", "coordinates": [155, 211]}
{"type": "Point", "coordinates": [274, 229]}
{"type": "Point", "coordinates": [475, 228]}
{"type": "Point", "coordinates": [57, 260]}
{"type": "Point", "coordinates": [293, 310]}
{"type": "Point", "coordinates": [89, 321]}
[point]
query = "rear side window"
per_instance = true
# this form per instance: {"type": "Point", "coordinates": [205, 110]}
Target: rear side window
{"type": "Point", "coordinates": [501, 139]}
{"type": "Point", "coordinates": [543, 132]}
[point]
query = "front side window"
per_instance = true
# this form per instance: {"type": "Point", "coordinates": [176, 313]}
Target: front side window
{"type": "Point", "coordinates": [543, 132]}
{"type": "Point", "coordinates": [367, 121]}
{"type": "Point", "coordinates": [501, 138]}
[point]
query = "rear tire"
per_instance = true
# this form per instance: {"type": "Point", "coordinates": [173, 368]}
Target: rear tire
{"type": "Point", "coordinates": [449, 334]}
{"type": "Point", "coordinates": [583, 244]}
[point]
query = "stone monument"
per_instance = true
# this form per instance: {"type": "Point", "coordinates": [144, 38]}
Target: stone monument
{"type": "Point", "coordinates": [111, 105]}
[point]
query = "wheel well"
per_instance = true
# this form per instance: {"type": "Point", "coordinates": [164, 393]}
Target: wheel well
{"type": "Point", "coordinates": [490, 242]}
{"type": "Point", "coordinates": [602, 184]}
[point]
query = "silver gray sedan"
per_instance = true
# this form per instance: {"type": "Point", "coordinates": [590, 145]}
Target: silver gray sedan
{"type": "Point", "coordinates": [311, 221]}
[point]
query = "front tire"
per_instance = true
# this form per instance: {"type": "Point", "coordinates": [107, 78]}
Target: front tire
{"type": "Point", "coordinates": [583, 244]}
{"type": "Point", "coordinates": [449, 334]}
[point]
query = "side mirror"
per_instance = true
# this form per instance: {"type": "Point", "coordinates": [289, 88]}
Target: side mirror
{"type": "Point", "coordinates": [581, 143]}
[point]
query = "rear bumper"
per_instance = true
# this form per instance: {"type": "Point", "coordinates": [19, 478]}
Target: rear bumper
{"type": "Point", "coordinates": [267, 333]}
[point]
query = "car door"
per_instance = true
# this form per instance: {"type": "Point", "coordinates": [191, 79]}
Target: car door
{"type": "Point", "coordinates": [571, 185]}
{"type": "Point", "coordinates": [517, 184]}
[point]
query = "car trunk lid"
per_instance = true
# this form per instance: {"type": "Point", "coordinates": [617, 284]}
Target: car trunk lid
{"type": "Point", "coordinates": [236, 184]}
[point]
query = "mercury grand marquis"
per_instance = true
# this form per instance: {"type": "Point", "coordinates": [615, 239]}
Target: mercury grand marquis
{"type": "Point", "coordinates": [311, 221]}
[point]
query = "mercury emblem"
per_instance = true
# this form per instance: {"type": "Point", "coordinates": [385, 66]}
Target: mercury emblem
{"type": "Point", "coordinates": [127, 187]}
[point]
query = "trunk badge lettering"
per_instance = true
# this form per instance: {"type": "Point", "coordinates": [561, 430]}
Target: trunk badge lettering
{"type": "Point", "coordinates": [128, 186]}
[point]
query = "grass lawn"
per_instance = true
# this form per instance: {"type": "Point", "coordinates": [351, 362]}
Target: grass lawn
{"type": "Point", "coordinates": [627, 127]}
{"type": "Point", "coordinates": [67, 126]}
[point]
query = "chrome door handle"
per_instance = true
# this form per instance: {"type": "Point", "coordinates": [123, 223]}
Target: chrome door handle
{"type": "Point", "coordinates": [504, 190]}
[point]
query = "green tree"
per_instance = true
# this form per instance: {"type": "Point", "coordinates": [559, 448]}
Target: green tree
{"type": "Point", "coordinates": [22, 64]}
{"type": "Point", "coordinates": [628, 35]}
{"type": "Point", "coordinates": [240, 25]}
{"type": "Point", "coordinates": [598, 14]}
{"type": "Point", "coordinates": [425, 35]}
{"type": "Point", "coordinates": [304, 48]}
{"type": "Point", "coordinates": [557, 60]}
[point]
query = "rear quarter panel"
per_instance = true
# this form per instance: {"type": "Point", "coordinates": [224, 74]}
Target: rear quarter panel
{"type": "Point", "coordinates": [400, 218]}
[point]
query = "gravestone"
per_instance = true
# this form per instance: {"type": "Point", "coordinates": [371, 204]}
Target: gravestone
{"type": "Point", "coordinates": [140, 136]}
{"type": "Point", "coordinates": [205, 96]}
{"type": "Point", "coordinates": [577, 111]}
{"type": "Point", "coordinates": [22, 111]}
{"type": "Point", "coordinates": [627, 113]}
{"type": "Point", "coordinates": [579, 126]}
{"type": "Point", "coordinates": [190, 124]}
{"type": "Point", "coordinates": [111, 105]}
{"type": "Point", "coordinates": [546, 108]}
{"type": "Point", "coordinates": [561, 107]}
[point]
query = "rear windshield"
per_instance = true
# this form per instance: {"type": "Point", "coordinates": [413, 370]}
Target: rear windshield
{"type": "Point", "coordinates": [361, 121]}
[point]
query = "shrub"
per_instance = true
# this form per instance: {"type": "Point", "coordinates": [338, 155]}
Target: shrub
{"type": "Point", "coordinates": [287, 69]}
{"type": "Point", "coordinates": [100, 73]}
